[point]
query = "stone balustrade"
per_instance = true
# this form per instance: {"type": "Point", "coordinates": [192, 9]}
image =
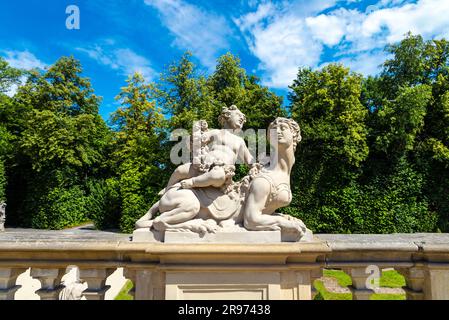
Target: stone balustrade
{"type": "Point", "coordinates": [221, 271]}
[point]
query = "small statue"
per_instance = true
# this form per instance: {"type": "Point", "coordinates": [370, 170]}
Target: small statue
{"type": "Point", "coordinates": [2, 216]}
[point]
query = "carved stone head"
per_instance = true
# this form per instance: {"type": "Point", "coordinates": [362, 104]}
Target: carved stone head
{"type": "Point", "coordinates": [232, 118]}
{"type": "Point", "coordinates": [287, 131]}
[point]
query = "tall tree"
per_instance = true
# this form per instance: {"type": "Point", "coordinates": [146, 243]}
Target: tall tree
{"type": "Point", "coordinates": [5, 138]}
{"type": "Point", "coordinates": [138, 151]}
{"type": "Point", "coordinates": [60, 146]}
{"type": "Point", "coordinates": [230, 84]}
{"type": "Point", "coordinates": [183, 95]}
{"type": "Point", "coordinates": [410, 115]}
{"type": "Point", "coordinates": [9, 77]}
{"type": "Point", "coordinates": [326, 105]}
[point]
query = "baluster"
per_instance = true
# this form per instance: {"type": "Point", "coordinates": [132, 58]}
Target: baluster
{"type": "Point", "coordinates": [8, 278]}
{"type": "Point", "coordinates": [96, 279]}
{"type": "Point", "coordinates": [414, 279]}
{"type": "Point", "coordinates": [144, 285]}
{"type": "Point", "coordinates": [314, 275]}
{"type": "Point", "coordinates": [358, 288]}
{"type": "Point", "coordinates": [436, 281]}
{"type": "Point", "coordinates": [50, 280]}
{"type": "Point", "coordinates": [130, 274]}
{"type": "Point", "coordinates": [148, 284]}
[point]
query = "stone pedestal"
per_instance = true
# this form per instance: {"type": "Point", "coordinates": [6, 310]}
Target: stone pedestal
{"type": "Point", "coordinates": [222, 236]}
{"type": "Point", "coordinates": [232, 263]}
{"type": "Point", "coordinates": [209, 271]}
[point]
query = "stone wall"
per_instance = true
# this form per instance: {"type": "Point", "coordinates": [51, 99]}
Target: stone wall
{"type": "Point", "coordinates": [217, 271]}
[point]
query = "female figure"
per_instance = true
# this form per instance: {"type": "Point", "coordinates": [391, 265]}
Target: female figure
{"type": "Point", "coordinates": [270, 188]}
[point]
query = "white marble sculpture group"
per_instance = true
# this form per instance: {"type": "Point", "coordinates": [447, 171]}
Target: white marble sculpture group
{"type": "Point", "coordinates": [202, 198]}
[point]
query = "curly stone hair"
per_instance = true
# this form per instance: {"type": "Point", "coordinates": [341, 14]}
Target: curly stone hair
{"type": "Point", "coordinates": [226, 114]}
{"type": "Point", "coordinates": [294, 128]}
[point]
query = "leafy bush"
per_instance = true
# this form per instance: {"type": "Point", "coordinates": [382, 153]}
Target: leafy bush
{"type": "Point", "coordinates": [388, 203]}
{"type": "Point", "coordinates": [4, 149]}
{"type": "Point", "coordinates": [62, 208]}
{"type": "Point", "coordinates": [104, 203]}
{"type": "Point", "coordinates": [137, 196]}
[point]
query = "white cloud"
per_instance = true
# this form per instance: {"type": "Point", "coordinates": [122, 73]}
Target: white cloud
{"type": "Point", "coordinates": [374, 29]}
{"type": "Point", "coordinates": [294, 34]}
{"type": "Point", "coordinates": [326, 28]}
{"type": "Point", "coordinates": [23, 60]}
{"type": "Point", "coordinates": [195, 29]}
{"type": "Point", "coordinates": [264, 10]}
{"type": "Point", "coordinates": [425, 17]}
{"type": "Point", "coordinates": [126, 61]}
{"type": "Point", "coordinates": [282, 47]}
{"type": "Point", "coordinates": [280, 38]}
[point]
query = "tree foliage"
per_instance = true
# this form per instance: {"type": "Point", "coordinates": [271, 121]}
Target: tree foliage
{"type": "Point", "coordinates": [9, 76]}
{"type": "Point", "coordinates": [374, 156]}
{"type": "Point", "coordinates": [59, 142]}
{"type": "Point", "coordinates": [136, 161]}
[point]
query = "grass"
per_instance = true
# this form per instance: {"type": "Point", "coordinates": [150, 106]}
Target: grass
{"type": "Point", "coordinates": [343, 279]}
{"type": "Point", "coordinates": [382, 296]}
{"type": "Point", "coordinates": [123, 294]}
{"type": "Point", "coordinates": [392, 279]}
{"type": "Point", "coordinates": [389, 279]}
{"type": "Point", "coordinates": [323, 294]}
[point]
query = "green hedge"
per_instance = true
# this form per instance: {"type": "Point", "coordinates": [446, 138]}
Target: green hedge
{"type": "Point", "coordinates": [2, 181]}
{"type": "Point", "coordinates": [62, 208]}
{"type": "Point", "coordinates": [385, 204]}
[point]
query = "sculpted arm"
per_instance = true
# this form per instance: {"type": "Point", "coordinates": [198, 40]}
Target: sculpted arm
{"type": "Point", "coordinates": [253, 216]}
{"type": "Point", "coordinates": [244, 153]}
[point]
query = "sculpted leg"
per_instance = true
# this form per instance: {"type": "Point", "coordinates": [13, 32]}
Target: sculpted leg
{"type": "Point", "coordinates": [145, 221]}
{"type": "Point", "coordinates": [173, 217]}
{"type": "Point", "coordinates": [181, 173]}
{"type": "Point", "coordinates": [295, 221]}
{"type": "Point", "coordinates": [176, 206]}
{"type": "Point", "coordinates": [215, 178]}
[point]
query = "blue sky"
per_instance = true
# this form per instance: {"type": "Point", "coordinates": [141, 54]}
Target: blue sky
{"type": "Point", "coordinates": [272, 38]}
